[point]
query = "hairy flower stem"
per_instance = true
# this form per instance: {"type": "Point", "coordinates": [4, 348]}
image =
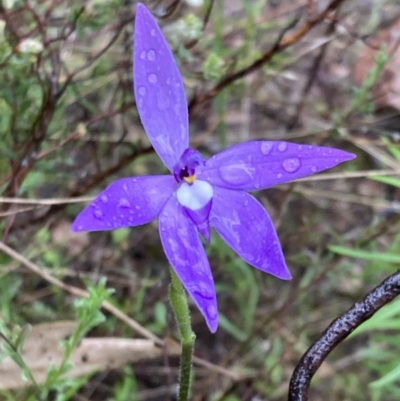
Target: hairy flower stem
{"type": "Point", "coordinates": [180, 306]}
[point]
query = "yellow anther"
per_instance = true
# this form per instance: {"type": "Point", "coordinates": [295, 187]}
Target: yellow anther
{"type": "Point", "coordinates": [190, 179]}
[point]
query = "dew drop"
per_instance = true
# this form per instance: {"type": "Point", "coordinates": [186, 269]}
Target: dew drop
{"type": "Point", "coordinates": [237, 174]}
{"type": "Point", "coordinates": [203, 289]}
{"type": "Point", "coordinates": [124, 203]}
{"type": "Point", "coordinates": [134, 179]}
{"type": "Point", "coordinates": [153, 32]}
{"type": "Point", "coordinates": [314, 169]}
{"type": "Point", "coordinates": [266, 148]}
{"type": "Point", "coordinates": [143, 55]}
{"type": "Point", "coordinates": [291, 165]}
{"type": "Point", "coordinates": [125, 187]}
{"type": "Point", "coordinates": [152, 78]}
{"type": "Point", "coordinates": [300, 147]}
{"type": "Point", "coordinates": [140, 103]}
{"type": "Point", "coordinates": [211, 312]}
{"type": "Point", "coordinates": [257, 186]}
{"type": "Point", "coordinates": [137, 207]}
{"type": "Point", "coordinates": [279, 176]}
{"type": "Point", "coordinates": [98, 214]}
{"type": "Point", "coordinates": [246, 202]}
{"type": "Point", "coordinates": [80, 227]}
{"type": "Point", "coordinates": [104, 198]}
{"type": "Point", "coordinates": [142, 90]}
{"type": "Point", "coordinates": [282, 146]}
{"type": "Point", "coordinates": [151, 55]}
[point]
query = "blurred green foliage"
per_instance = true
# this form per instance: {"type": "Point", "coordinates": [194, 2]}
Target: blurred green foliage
{"type": "Point", "coordinates": [68, 126]}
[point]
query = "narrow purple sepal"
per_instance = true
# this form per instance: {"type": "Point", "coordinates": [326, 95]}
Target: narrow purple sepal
{"type": "Point", "coordinates": [159, 90]}
{"type": "Point", "coordinates": [186, 255]}
{"type": "Point", "coordinates": [126, 202]}
{"type": "Point", "coordinates": [246, 227]}
{"type": "Point", "coordinates": [256, 165]}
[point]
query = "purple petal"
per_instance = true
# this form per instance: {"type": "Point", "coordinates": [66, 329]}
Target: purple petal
{"type": "Point", "coordinates": [159, 91]}
{"type": "Point", "coordinates": [186, 255]}
{"type": "Point", "coordinates": [127, 202]}
{"type": "Point", "coordinates": [246, 227]}
{"type": "Point", "coordinates": [256, 165]}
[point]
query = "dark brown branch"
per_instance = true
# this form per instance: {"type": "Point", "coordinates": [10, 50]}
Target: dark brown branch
{"type": "Point", "coordinates": [283, 42]}
{"type": "Point", "coordinates": [337, 331]}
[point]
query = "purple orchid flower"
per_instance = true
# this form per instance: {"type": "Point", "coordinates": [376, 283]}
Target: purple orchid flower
{"type": "Point", "coordinates": [199, 193]}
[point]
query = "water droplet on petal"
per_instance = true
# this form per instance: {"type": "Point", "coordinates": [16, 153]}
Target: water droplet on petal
{"type": "Point", "coordinates": [98, 214]}
{"type": "Point", "coordinates": [266, 148]}
{"type": "Point", "coordinates": [237, 174]}
{"type": "Point", "coordinates": [143, 55]}
{"type": "Point", "coordinates": [211, 312]}
{"type": "Point", "coordinates": [151, 55]}
{"type": "Point", "coordinates": [246, 202]}
{"type": "Point", "coordinates": [125, 187]}
{"type": "Point", "coordinates": [134, 179]}
{"type": "Point", "coordinates": [282, 146]}
{"type": "Point", "coordinates": [142, 90]}
{"type": "Point", "coordinates": [153, 32]}
{"type": "Point", "coordinates": [124, 203]}
{"type": "Point", "coordinates": [279, 176]}
{"type": "Point", "coordinates": [137, 207]}
{"type": "Point", "coordinates": [313, 169]}
{"type": "Point", "coordinates": [291, 165]}
{"type": "Point", "coordinates": [300, 147]}
{"type": "Point", "coordinates": [104, 198]}
{"type": "Point", "coordinates": [203, 289]}
{"type": "Point", "coordinates": [152, 78]}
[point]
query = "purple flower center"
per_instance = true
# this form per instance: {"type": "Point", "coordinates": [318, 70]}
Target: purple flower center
{"type": "Point", "coordinates": [185, 169]}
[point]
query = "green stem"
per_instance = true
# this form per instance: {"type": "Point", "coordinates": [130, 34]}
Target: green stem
{"type": "Point", "coordinates": [180, 307]}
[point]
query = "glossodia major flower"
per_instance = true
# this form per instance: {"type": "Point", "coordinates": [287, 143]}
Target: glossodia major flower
{"type": "Point", "coordinates": [199, 193]}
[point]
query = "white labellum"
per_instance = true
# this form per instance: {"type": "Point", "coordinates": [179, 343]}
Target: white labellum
{"type": "Point", "coordinates": [194, 196]}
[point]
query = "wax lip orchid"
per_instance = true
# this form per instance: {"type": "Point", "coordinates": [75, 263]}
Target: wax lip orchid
{"type": "Point", "coordinates": [200, 193]}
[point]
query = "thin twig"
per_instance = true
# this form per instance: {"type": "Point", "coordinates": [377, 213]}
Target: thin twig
{"type": "Point", "coordinates": [337, 331]}
{"type": "Point", "coordinates": [283, 42]}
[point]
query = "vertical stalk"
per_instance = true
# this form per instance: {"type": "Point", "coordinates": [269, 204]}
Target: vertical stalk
{"type": "Point", "coordinates": [180, 307]}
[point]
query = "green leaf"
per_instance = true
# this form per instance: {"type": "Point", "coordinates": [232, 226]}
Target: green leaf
{"type": "Point", "coordinates": [387, 180]}
{"type": "Point", "coordinates": [365, 255]}
{"type": "Point", "coordinates": [390, 377]}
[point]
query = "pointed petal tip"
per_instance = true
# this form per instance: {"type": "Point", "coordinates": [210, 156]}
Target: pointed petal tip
{"type": "Point", "coordinates": [285, 276]}
{"type": "Point", "coordinates": [350, 156]}
{"type": "Point", "coordinates": [213, 325]}
{"type": "Point", "coordinates": [140, 7]}
{"type": "Point", "coordinates": [75, 228]}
